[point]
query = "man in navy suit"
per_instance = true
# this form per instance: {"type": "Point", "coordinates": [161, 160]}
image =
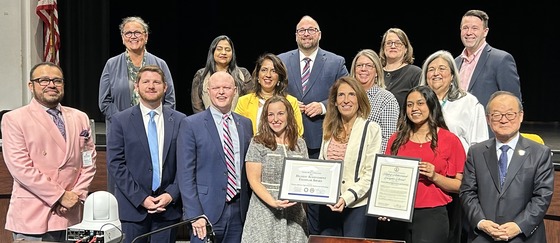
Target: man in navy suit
{"type": "Point", "coordinates": [483, 69]}
{"type": "Point", "coordinates": [325, 68]}
{"type": "Point", "coordinates": [202, 170]}
{"type": "Point", "coordinates": [143, 205]}
{"type": "Point", "coordinates": [507, 202]}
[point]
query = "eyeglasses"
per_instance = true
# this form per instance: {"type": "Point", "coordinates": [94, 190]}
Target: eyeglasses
{"type": "Point", "coordinates": [440, 69]}
{"type": "Point", "coordinates": [391, 43]}
{"type": "Point", "coordinates": [129, 34]}
{"type": "Point", "coordinates": [311, 31]}
{"type": "Point", "coordinates": [46, 81]}
{"type": "Point", "coordinates": [367, 66]}
{"type": "Point", "coordinates": [498, 116]}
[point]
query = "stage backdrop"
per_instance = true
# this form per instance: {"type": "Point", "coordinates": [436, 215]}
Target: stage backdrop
{"type": "Point", "coordinates": [181, 32]}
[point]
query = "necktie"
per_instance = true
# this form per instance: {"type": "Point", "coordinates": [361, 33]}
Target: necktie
{"type": "Point", "coordinates": [503, 163]}
{"type": "Point", "coordinates": [58, 121]}
{"type": "Point", "coordinates": [228, 150]}
{"type": "Point", "coordinates": [153, 142]}
{"type": "Point", "coordinates": [305, 73]}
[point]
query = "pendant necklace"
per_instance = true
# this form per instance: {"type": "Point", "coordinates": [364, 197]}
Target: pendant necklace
{"type": "Point", "coordinates": [419, 141]}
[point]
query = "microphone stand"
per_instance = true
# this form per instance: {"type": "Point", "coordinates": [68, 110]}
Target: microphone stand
{"type": "Point", "coordinates": [209, 230]}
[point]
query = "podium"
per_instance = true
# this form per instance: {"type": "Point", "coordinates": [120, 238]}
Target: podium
{"type": "Point", "coordinates": [338, 239]}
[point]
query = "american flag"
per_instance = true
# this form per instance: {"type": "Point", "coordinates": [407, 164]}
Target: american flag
{"type": "Point", "coordinates": [48, 13]}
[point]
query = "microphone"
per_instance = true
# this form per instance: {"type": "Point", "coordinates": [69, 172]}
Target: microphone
{"type": "Point", "coordinates": [209, 230]}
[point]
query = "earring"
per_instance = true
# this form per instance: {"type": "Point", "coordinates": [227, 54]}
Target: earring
{"type": "Point", "coordinates": [278, 84]}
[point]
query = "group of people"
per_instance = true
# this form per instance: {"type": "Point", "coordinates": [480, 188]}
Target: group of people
{"type": "Point", "coordinates": [222, 165]}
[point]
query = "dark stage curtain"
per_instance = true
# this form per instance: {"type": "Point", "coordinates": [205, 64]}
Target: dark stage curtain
{"type": "Point", "coordinates": [84, 31]}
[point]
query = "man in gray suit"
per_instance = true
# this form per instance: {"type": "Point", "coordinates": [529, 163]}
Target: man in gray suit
{"type": "Point", "coordinates": [310, 84]}
{"type": "Point", "coordinates": [507, 201]}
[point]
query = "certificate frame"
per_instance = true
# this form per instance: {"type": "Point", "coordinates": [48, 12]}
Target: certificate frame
{"type": "Point", "coordinates": [310, 180]}
{"type": "Point", "coordinates": [393, 187]}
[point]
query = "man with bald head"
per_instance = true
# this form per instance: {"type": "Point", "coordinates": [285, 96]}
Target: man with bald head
{"type": "Point", "coordinates": [312, 71]}
{"type": "Point", "coordinates": [211, 148]}
{"type": "Point", "coordinates": [508, 180]}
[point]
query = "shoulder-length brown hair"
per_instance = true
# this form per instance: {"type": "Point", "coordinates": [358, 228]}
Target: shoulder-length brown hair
{"type": "Point", "coordinates": [265, 134]}
{"type": "Point", "coordinates": [332, 125]}
{"type": "Point", "coordinates": [408, 55]}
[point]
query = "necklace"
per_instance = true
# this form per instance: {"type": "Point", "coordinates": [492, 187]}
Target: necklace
{"type": "Point", "coordinates": [345, 137]}
{"type": "Point", "coordinates": [420, 141]}
{"type": "Point", "coordinates": [443, 102]}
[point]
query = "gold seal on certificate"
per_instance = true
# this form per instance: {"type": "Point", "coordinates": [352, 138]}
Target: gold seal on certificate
{"type": "Point", "coordinates": [393, 187]}
{"type": "Point", "coordinates": [311, 180]}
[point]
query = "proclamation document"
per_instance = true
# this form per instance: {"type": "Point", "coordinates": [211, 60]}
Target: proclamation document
{"type": "Point", "coordinates": [311, 180]}
{"type": "Point", "coordinates": [393, 188]}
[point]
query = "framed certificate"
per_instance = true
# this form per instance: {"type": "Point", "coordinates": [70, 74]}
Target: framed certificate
{"type": "Point", "coordinates": [393, 187]}
{"type": "Point", "coordinates": [311, 180]}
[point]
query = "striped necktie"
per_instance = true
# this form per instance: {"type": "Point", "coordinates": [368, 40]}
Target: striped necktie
{"type": "Point", "coordinates": [230, 161]}
{"type": "Point", "coordinates": [305, 73]}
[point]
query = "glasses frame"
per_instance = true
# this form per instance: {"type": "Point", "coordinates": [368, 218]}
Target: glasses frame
{"type": "Point", "coordinates": [308, 30]}
{"type": "Point", "coordinates": [397, 44]}
{"type": "Point", "coordinates": [512, 116]}
{"type": "Point", "coordinates": [366, 66]}
{"type": "Point", "coordinates": [44, 82]}
{"type": "Point", "coordinates": [136, 34]}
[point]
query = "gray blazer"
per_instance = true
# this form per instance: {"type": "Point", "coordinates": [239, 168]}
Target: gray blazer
{"type": "Point", "coordinates": [327, 68]}
{"type": "Point", "coordinates": [526, 193]}
{"type": "Point", "coordinates": [114, 91]}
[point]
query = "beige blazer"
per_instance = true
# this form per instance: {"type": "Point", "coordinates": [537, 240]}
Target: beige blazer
{"type": "Point", "coordinates": [355, 193]}
{"type": "Point", "coordinates": [44, 165]}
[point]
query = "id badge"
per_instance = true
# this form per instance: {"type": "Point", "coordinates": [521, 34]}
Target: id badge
{"type": "Point", "coordinates": [87, 158]}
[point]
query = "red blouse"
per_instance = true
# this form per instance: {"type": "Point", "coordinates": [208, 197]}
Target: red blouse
{"type": "Point", "coordinates": [448, 159]}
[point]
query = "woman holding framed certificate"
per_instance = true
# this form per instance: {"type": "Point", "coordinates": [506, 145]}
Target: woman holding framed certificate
{"type": "Point", "coordinates": [270, 219]}
{"type": "Point", "coordinates": [350, 137]}
{"type": "Point", "coordinates": [423, 133]}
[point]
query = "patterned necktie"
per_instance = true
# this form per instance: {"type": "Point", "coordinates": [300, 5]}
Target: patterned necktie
{"type": "Point", "coordinates": [228, 150]}
{"type": "Point", "coordinates": [153, 142]}
{"type": "Point", "coordinates": [503, 163]}
{"type": "Point", "coordinates": [305, 73]}
{"type": "Point", "coordinates": [58, 121]}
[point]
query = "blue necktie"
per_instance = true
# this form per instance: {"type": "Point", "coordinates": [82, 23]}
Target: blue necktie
{"type": "Point", "coordinates": [58, 121]}
{"type": "Point", "coordinates": [153, 142]}
{"type": "Point", "coordinates": [502, 162]}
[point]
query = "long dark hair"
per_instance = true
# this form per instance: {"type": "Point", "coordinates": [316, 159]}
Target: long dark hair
{"type": "Point", "coordinates": [265, 134]}
{"type": "Point", "coordinates": [406, 126]}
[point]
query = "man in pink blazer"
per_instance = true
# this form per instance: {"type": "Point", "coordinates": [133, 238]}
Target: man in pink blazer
{"type": "Point", "coordinates": [52, 164]}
